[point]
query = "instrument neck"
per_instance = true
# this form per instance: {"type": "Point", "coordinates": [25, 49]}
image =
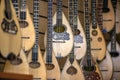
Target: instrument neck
{"type": "Point", "coordinates": [16, 6]}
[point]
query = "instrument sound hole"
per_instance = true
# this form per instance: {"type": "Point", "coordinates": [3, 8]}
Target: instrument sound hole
{"type": "Point", "coordinates": [77, 32]}
{"type": "Point", "coordinates": [16, 61]}
{"type": "Point", "coordinates": [114, 54]}
{"type": "Point", "coordinates": [94, 33]}
{"type": "Point", "coordinates": [50, 66]}
{"type": "Point", "coordinates": [91, 76]}
{"type": "Point", "coordinates": [23, 24]}
{"type": "Point", "coordinates": [89, 68]}
{"type": "Point", "coordinates": [72, 70]}
{"type": "Point", "coordinates": [106, 10]}
{"type": "Point", "coordinates": [99, 39]}
{"type": "Point", "coordinates": [59, 29]}
{"type": "Point", "coordinates": [34, 64]}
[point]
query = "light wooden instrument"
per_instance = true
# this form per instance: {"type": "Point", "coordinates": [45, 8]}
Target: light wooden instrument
{"type": "Point", "coordinates": [9, 30]}
{"type": "Point", "coordinates": [35, 60]}
{"type": "Point", "coordinates": [26, 24]}
{"type": "Point", "coordinates": [88, 63]}
{"type": "Point", "coordinates": [114, 49]}
{"type": "Point", "coordinates": [62, 33]}
{"type": "Point", "coordinates": [71, 69]}
{"type": "Point", "coordinates": [18, 65]}
{"type": "Point", "coordinates": [118, 17]}
{"type": "Point", "coordinates": [53, 70]}
{"type": "Point", "coordinates": [106, 67]}
{"type": "Point", "coordinates": [108, 16]}
{"type": "Point", "coordinates": [98, 46]}
{"type": "Point", "coordinates": [79, 35]}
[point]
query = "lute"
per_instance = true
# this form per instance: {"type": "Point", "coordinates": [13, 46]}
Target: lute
{"type": "Point", "coordinates": [88, 63]}
{"type": "Point", "coordinates": [35, 60]}
{"type": "Point", "coordinates": [62, 34]}
{"type": "Point", "coordinates": [10, 32]}
{"type": "Point", "coordinates": [53, 70]}
{"type": "Point", "coordinates": [106, 66]}
{"type": "Point", "coordinates": [98, 46]}
{"type": "Point", "coordinates": [71, 69]}
{"type": "Point", "coordinates": [108, 16]}
{"type": "Point", "coordinates": [114, 49]}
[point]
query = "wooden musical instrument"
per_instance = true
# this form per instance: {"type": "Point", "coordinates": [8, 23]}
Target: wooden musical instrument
{"type": "Point", "coordinates": [18, 65]}
{"type": "Point", "coordinates": [114, 49]}
{"type": "Point", "coordinates": [98, 46]}
{"type": "Point", "coordinates": [88, 63]}
{"type": "Point", "coordinates": [62, 33]}
{"type": "Point", "coordinates": [106, 66]}
{"type": "Point", "coordinates": [108, 16]}
{"type": "Point", "coordinates": [35, 60]}
{"type": "Point", "coordinates": [53, 70]}
{"type": "Point", "coordinates": [9, 30]}
{"type": "Point", "coordinates": [26, 24]}
{"type": "Point", "coordinates": [118, 17]}
{"type": "Point", "coordinates": [71, 69]}
{"type": "Point", "coordinates": [79, 35]}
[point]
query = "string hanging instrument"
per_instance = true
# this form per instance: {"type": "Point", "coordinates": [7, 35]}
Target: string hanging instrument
{"type": "Point", "coordinates": [62, 34]}
{"type": "Point", "coordinates": [35, 60]}
{"type": "Point", "coordinates": [106, 66]}
{"type": "Point", "coordinates": [9, 30]}
{"type": "Point", "coordinates": [53, 70]}
{"type": "Point", "coordinates": [19, 64]}
{"type": "Point", "coordinates": [79, 35]}
{"type": "Point", "coordinates": [88, 63]}
{"type": "Point", "coordinates": [114, 49]}
{"type": "Point", "coordinates": [108, 16]}
{"type": "Point", "coordinates": [98, 46]}
{"type": "Point", "coordinates": [71, 69]}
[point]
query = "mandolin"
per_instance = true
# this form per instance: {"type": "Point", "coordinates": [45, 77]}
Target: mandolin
{"type": "Point", "coordinates": [62, 33]}
{"type": "Point", "coordinates": [114, 49]}
{"type": "Point", "coordinates": [79, 35]}
{"type": "Point", "coordinates": [10, 33]}
{"type": "Point", "coordinates": [26, 24]}
{"type": "Point", "coordinates": [88, 63]}
{"type": "Point", "coordinates": [106, 66]}
{"type": "Point", "coordinates": [108, 16]}
{"type": "Point", "coordinates": [98, 46]}
{"type": "Point", "coordinates": [118, 17]}
{"type": "Point", "coordinates": [71, 69]}
{"type": "Point", "coordinates": [53, 70]}
{"type": "Point", "coordinates": [35, 60]}
{"type": "Point", "coordinates": [18, 65]}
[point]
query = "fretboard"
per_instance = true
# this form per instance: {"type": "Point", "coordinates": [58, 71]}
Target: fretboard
{"type": "Point", "coordinates": [22, 10]}
{"type": "Point", "coordinates": [87, 31]}
{"type": "Point", "coordinates": [100, 16]}
{"type": "Point", "coordinates": [59, 12]}
{"type": "Point", "coordinates": [93, 11]}
{"type": "Point", "coordinates": [49, 34]}
{"type": "Point", "coordinates": [15, 4]}
{"type": "Point", "coordinates": [105, 4]}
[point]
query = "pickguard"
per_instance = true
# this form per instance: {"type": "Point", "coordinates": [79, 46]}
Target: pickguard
{"type": "Point", "coordinates": [78, 39]}
{"type": "Point", "coordinates": [9, 27]}
{"type": "Point", "coordinates": [61, 36]}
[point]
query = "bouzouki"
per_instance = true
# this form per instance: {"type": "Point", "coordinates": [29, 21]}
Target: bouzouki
{"type": "Point", "coordinates": [106, 66]}
{"type": "Point", "coordinates": [53, 70]}
{"type": "Point", "coordinates": [98, 46]}
{"type": "Point", "coordinates": [88, 63]}
{"type": "Point", "coordinates": [9, 30]}
{"type": "Point", "coordinates": [35, 60]}
{"type": "Point", "coordinates": [108, 16]}
{"type": "Point", "coordinates": [19, 64]}
{"type": "Point", "coordinates": [26, 24]}
{"type": "Point", "coordinates": [62, 33]}
{"type": "Point", "coordinates": [79, 35]}
{"type": "Point", "coordinates": [71, 69]}
{"type": "Point", "coordinates": [114, 49]}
